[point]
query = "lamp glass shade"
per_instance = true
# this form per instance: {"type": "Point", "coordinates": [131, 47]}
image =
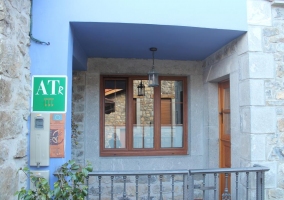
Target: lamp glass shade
{"type": "Point", "coordinates": [141, 89]}
{"type": "Point", "coordinates": [153, 78]}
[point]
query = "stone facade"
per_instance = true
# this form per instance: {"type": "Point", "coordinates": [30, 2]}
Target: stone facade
{"type": "Point", "coordinates": [253, 63]}
{"type": "Point", "coordinates": [78, 105]}
{"type": "Point", "coordinates": [14, 93]}
{"type": "Point", "coordinates": [89, 148]}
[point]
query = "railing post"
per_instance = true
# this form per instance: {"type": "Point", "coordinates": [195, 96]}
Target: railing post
{"type": "Point", "coordinates": [247, 185]}
{"type": "Point", "coordinates": [258, 186]}
{"type": "Point", "coordinates": [111, 177]}
{"type": "Point", "coordinates": [203, 185]}
{"type": "Point", "coordinates": [136, 182]}
{"type": "Point", "coordinates": [262, 185]}
{"type": "Point", "coordinates": [215, 186]}
{"type": "Point", "coordinates": [100, 187]}
{"type": "Point", "coordinates": [87, 182]}
{"type": "Point", "coordinates": [226, 195]}
{"type": "Point", "coordinates": [237, 185]}
{"type": "Point", "coordinates": [173, 186]}
{"type": "Point", "coordinates": [124, 187]}
{"type": "Point", "coordinates": [161, 187]}
{"type": "Point", "coordinates": [149, 187]}
{"type": "Point", "coordinates": [191, 186]}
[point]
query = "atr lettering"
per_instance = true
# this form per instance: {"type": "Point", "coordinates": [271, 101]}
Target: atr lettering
{"type": "Point", "coordinates": [42, 88]}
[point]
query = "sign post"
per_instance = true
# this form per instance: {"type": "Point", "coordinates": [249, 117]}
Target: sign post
{"type": "Point", "coordinates": [49, 94]}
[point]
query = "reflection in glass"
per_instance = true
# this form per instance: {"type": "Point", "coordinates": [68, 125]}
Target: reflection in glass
{"type": "Point", "coordinates": [171, 114]}
{"type": "Point", "coordinates": [227, 98]}
{"type": "Point", "coordinates": [115, 113]}
{"type": "Point", "coordinates": [143, 130]}
{"type": "Point", "coordinates": [226, 122]}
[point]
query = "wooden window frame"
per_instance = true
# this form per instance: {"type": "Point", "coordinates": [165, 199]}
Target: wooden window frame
{"type": "Point", "coordinates": [157, 150]}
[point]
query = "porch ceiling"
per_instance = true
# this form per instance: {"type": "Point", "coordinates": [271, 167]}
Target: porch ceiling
{"type": "Point", "coordinates": [121, 40]}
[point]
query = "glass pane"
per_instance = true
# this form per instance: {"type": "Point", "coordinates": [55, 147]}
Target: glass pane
{"type": "Point", "coordinates": [227, 98]}
{"type": "Point", "coordinates": [226, 122]}
{"type": "Point", "coordinates": [115, 113]}
{"type": "Point", "coordinates": [143, 129]}
{"type": "Point", "coordinates": [172, 136]}
{"type": "Point", "coordinates": [171, 114]}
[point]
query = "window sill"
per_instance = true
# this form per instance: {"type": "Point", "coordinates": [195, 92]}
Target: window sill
{"type": "Point", "coordinates": [119, 152]}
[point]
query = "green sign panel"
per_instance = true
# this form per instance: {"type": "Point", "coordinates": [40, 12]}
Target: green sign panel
{"type": "Point", "coordinates": [49, 94]}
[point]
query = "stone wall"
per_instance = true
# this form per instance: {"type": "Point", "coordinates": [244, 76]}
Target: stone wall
{"type": "Point", "coordinates": [86, 90]}
{"type": "Point", "coordinates": [254, 63]}
{"type": "Point", "coordinates": [78, 110]}
{"type": "Point", "coordinates": [272, 35]}
{"type": "Point", "coordinates": [14, 93]}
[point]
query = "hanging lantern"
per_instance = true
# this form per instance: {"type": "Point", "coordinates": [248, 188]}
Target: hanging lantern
{"type": "Point", "coordinates": [141, 89]}
{"type": "Point", "coordinates": [153, 76]}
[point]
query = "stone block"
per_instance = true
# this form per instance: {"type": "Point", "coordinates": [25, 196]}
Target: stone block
{"type": "Point", "coordinates": [278, 13]}
{"type": "Point", "coordinates": [78, 98]}
{"type": "Point", "coordinates": [8, 181]}
{"type": "Point", "coordinates": [271, 175]}
{"type": "Point", "coordinates": [254, 38]}
{"type": "Point", "coordinates": [244, 93]}
{"type": "Point", "coordinates": [245, 119]}
{"type": "Point", "coordinates": [10, 124]}
{"type": "Point", "coordinates": [213, 133]}
{"type": "Point", "coordinates": [280, 125]}
{"type": "Point", "coordinates": [6, 91]}
{"type": "Point", "coordinates": [234, 100]}
{"type": "Point", "coordinates": [196, 105]}
{"type": "Point", "coordinates": [213, 153]}
{"type": "Point", "coordinates": [213, 119]}
{"type": "Point", "coordinates": [1, 4]}
{"type": "Point", "coordinates": [268, 46]}
{"type": "Point", "coordinates": [252, 92]}
{"type": "Point", "coordinates": [279, 94]}
{"type": "Point", "coordinates": [141, 66]}
{"type": "Point", "coordinates": [263, 119]}
{"type": "Point", "coordinates": [21, 149]}
{"type": "Point", "coordinates": [270, 31]}
{"type": "Point", "coordinates": [223, 68]}
{"type": "Point", "coordinates": [4, 153]}
{"type": "Point", "coordinates": [21, 99]}
{"type": "Point", "coordinates": [245, 146]}
{"type": "Point", "coordinates": [254, 65]}
{"type": "Point", "coordinates": [259, 13]}
{"type": "Point", "coordinates": [2, 15]}
{"type": "Point", "coordinates": [275, 193]}
{"type": "Point", "coordinates": [78, 117]}
{"type": "Point", "coordinates": [258, 147]}
{"type": "Point", "coordinates": [79, 78]}
{"type": "Point", "coordinates": [242, 44]}
{"type": "Point", "coordinates": [280, 71]}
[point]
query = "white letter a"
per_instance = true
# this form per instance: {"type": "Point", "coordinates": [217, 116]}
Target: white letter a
{"type": "Point", "coordinates": [42, 88]}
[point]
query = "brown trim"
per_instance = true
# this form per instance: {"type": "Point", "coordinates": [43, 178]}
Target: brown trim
{"type": "Point", "coordinates": [224, 139]}
{"type": "Point", "coordinates": [129, 150]}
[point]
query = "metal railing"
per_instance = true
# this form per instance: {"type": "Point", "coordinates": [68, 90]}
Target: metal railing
{"type": "Point", "coordinates": [246, 183]}
{"type": "Point", "coordinates": [177, 184]}
{"type": "Point", "coordinates": [153, 181]}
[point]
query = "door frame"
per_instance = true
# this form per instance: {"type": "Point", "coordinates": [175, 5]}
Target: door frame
{"type": "Point", "coordinates": [224, 138]}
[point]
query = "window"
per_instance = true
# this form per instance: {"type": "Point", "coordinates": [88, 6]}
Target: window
{"type": "Point", "coordinates": [143, 125]}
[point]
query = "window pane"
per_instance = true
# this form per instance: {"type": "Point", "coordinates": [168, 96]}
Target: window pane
{"type": "Point", "coordinates": [226, 122]}
{"type": "Point", "coordinates": [171, 114]}
{"type": "Point", "coordinates": [227, 98]}
{"type": "Point", "coordinates": [115, 113]}
{"type": "Point", "coordinates": [143, 129]}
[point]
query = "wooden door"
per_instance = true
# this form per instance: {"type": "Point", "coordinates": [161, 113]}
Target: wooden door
{"type": "Point", "coordinates": [225, 131]}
